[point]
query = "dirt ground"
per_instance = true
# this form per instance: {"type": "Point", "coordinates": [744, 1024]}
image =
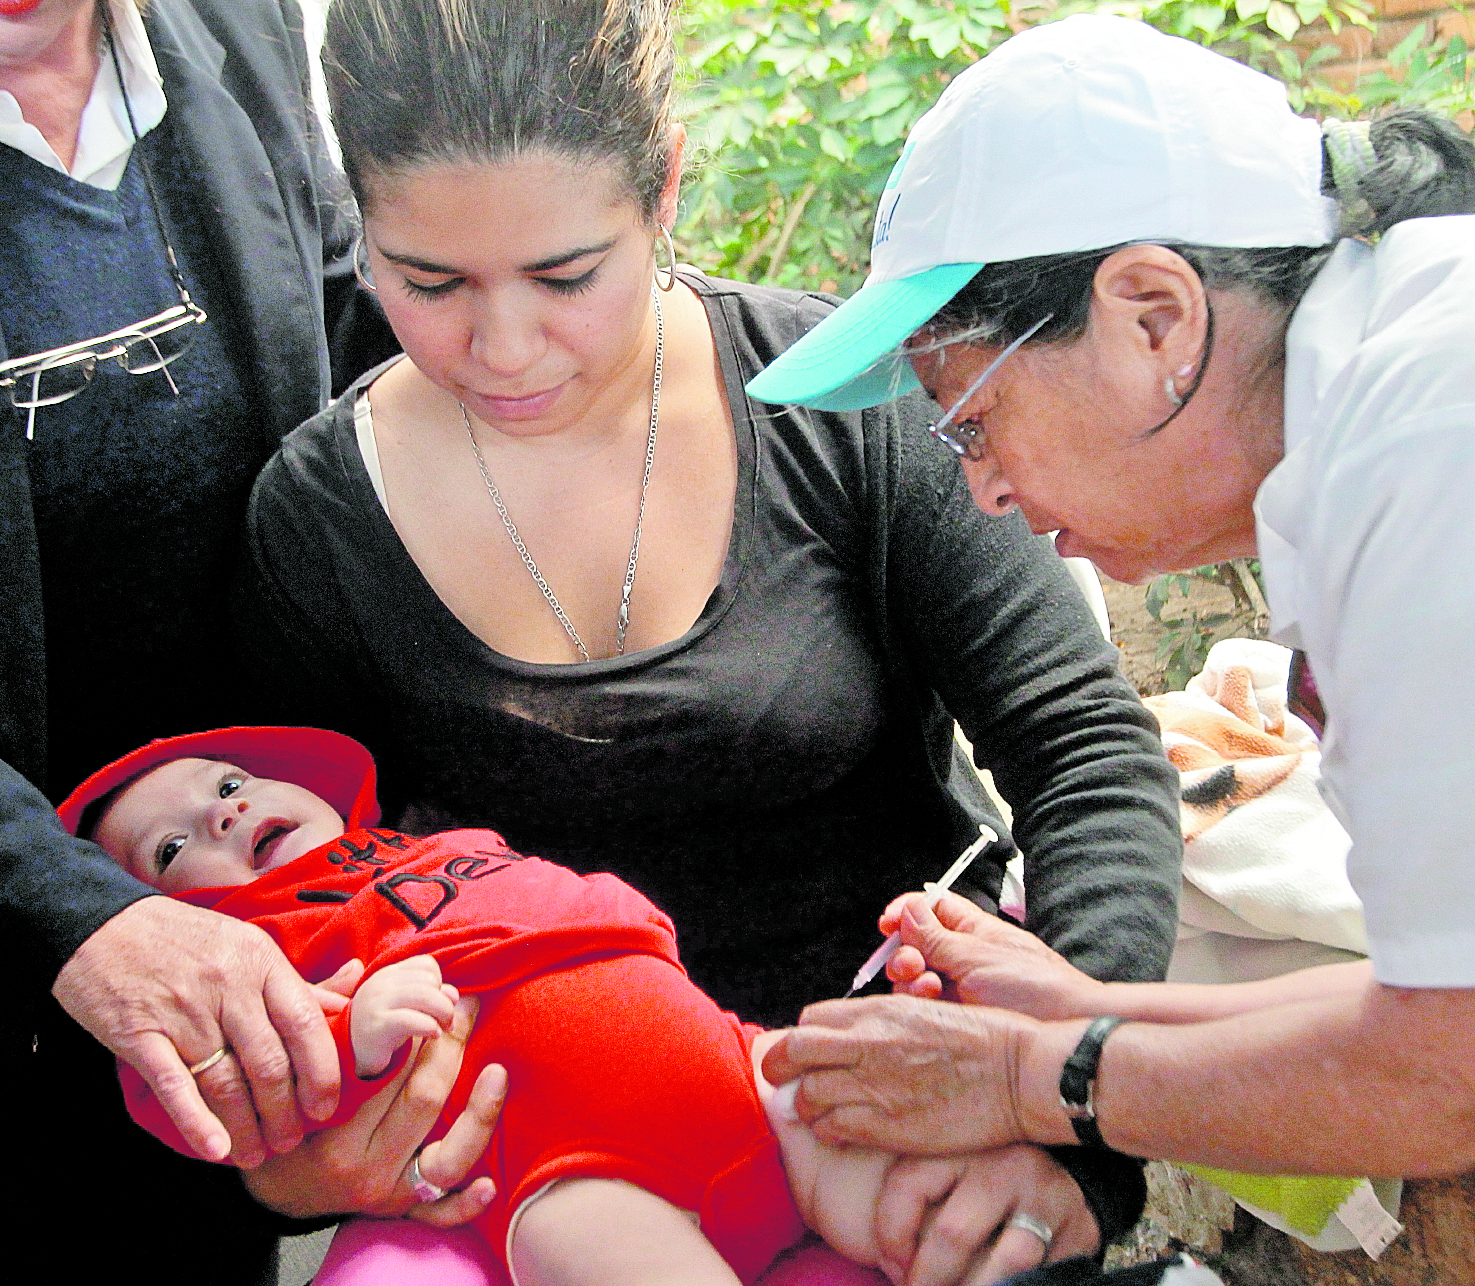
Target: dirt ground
{"type": "Point", "coordinates": [1437, 1247]}
{"type": "Point", "coordinates": [1135, 632]}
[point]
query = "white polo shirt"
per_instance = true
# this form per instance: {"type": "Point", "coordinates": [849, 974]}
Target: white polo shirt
{"type": "Point", "coordinates": [1367, 541]}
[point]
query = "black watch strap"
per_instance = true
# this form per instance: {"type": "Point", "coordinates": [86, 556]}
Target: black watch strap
{"type": "Point", "coordinates": [1078, 1081]}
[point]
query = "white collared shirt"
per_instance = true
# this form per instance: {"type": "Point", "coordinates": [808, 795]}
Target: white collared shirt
{"type": "Point", "coordinates": [104, 141]}
{"type": "Point", "coordinates": [1367, 542]}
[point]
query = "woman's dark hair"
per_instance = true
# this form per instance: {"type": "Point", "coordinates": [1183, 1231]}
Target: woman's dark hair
{"type": "Point", "coordinates": [1425, 166]}
{"type": "Point", "coordinates": [413, 82]}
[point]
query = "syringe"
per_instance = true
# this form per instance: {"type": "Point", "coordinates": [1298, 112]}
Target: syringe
{"type": "Point", "coordinates": [887, 949]}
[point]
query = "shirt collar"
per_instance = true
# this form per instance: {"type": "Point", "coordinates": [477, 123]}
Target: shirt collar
{"type": "Point", "coordinates": [104, 140]}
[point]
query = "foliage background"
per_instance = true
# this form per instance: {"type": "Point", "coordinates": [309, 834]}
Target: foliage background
{"type": "Point", "coordinates": [797, 109]}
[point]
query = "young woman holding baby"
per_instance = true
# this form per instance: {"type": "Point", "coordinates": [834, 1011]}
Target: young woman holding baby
{"type": "Point", "coordinates": [564, 578]}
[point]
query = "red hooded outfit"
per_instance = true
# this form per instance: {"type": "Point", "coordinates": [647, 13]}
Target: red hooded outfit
{"type": "Point", "coordinates": [618, 1066]}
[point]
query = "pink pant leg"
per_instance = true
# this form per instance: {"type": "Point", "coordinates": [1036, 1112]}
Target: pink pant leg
{"type": "Point", "coordinates": [812, 1263]}
{"type": "Point", "coordinates": [400, 1252]}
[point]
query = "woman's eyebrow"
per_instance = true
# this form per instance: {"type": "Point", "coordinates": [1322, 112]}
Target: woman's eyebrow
{"type": "Point", "coordinates": [543, 265]}
{"type": "Point", "coordinates": [421, 265]}
{"type": "Point", "coordinates": [558, 261]}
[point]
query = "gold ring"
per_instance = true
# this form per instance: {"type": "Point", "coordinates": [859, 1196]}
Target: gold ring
{"type": "Point", "coordinates": [205, 1064]}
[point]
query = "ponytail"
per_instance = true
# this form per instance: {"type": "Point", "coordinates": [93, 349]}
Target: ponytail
{"type": "Point", "coordinates": [1409, 164]}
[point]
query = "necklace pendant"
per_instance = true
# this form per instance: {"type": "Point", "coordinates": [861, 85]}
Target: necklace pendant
{"type": "Point", "coordinates": [622, 620]}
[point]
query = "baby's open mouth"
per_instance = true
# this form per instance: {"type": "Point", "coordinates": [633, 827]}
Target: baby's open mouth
{"type": "Point", "coordinates": [265, 841]}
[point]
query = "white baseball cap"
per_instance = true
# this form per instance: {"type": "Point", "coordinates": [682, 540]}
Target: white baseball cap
{"type": "Point", "coordinates": [1077, 135]}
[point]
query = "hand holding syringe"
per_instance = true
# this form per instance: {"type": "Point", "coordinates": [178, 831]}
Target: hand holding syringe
{"type": "Point", "coordinates": [887, 949]}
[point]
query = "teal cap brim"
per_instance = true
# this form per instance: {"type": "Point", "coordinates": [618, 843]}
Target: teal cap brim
{"type": "Point", "coordinates": [852, 359]}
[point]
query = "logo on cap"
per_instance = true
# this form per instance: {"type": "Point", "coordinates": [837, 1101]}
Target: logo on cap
{"type": "Point", "coordinates": [887, 209]}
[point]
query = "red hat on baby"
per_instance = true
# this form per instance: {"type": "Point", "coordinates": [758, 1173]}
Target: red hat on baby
{"type": "Point", "coordinates": [334, 767]}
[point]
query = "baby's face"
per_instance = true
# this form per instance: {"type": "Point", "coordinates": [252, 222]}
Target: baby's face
{"type": "Point", "coordinates": [201, 824]}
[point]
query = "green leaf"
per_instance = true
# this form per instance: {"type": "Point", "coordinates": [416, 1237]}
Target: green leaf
{"type": "Point", "coordinates": [832, 144]}
{"type": "Point", "coordinates": [941, 33]}
{"type": "Point", "coordinates": [1207, 18]}
{"type": "Point", "coordinates": [1282, 20]}
{"type": "Point", "coordinates": [880, 99]}
{"type": "Point", "coordinates": [893, 126]}
{"type": "Point", "coordinates": [1403, 51]}
{"type": "Point", "coordinates": [1249, 10]}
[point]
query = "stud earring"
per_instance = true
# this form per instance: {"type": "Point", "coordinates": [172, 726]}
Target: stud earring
{"type": "Point", "coordinates": [1170, 384]}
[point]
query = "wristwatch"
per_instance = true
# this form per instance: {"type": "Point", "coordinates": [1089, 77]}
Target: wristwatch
{"type": "Point", "coordinates": [1078, 1082]}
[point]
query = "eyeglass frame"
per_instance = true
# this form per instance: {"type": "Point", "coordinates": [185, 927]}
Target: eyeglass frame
{"type": "Point", "coordinates": [110, 347]}
{"type": "Point", "coordinates": [969, 447]}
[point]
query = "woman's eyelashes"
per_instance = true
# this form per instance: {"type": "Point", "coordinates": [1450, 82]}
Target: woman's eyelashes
{"type": "Point", "coordinates": [570, 285]}
{"type": "Point", "coordinates": [417, 290]}
{"type": "Point", "coordinates": [558, 285]}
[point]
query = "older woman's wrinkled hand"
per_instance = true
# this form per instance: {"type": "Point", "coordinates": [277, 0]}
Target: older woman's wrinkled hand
{"type": "Point", "coordinates": [960, 952]}
{"type": "Point", "coordinates": [907, 1075]}
{"type": "Point", "coordinates": [165, 985]}
{"type": "Point", "coordinates": [942, 1220]}
{"type": "Point", "coordinates": [363, 1165]}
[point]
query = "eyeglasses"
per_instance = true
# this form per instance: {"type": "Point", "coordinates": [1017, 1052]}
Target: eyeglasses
{"type": "Point", "coordinates": [963, 441]}
{"type": "Point", "coordinates": [44, 379]}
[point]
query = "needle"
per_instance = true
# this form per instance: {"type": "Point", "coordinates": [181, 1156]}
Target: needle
{"type": "Point", "coordinates": [887, 949]}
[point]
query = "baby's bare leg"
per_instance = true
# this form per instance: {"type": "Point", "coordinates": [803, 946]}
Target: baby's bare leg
{"type": "Point", "coordinates": [604, 1232]}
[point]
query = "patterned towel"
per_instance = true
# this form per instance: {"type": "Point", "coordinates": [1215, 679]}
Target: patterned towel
{"type": "Point", "coordinates": [1263, 856]}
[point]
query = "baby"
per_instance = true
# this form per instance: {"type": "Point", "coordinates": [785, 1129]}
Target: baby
{"type": "Point", "coordinates": [639, 1141]}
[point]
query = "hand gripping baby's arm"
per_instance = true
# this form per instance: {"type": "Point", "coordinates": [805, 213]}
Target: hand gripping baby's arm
{"type": "Point", "coordinates": [394, 1004]}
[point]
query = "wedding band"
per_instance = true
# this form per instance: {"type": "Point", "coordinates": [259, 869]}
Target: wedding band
{"type": "Point", "coordinates": [1032, 1225]}
{"type": "Point", "coordinates": [205, 1064]}
{"type": "Point", "coordinates": [423, 1189]}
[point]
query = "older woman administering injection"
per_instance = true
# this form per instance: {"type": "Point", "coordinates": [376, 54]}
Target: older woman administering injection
{"type": "Point", "coordinates": [1220, 375]}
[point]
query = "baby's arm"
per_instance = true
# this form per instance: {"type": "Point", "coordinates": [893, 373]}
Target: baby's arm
{"type": "Point", "coordinates": [393, 1004]}
{"type": "Point", "coordinates": [931, 1221]}
{"type": "Point", "coordinates": [836, 1187]}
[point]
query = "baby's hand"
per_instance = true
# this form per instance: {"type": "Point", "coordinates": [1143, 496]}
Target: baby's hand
{"type": "Point", "coordinates": [397, 1002]}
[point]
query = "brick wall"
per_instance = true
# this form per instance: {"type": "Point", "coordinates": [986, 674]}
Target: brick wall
{"type": "Point", "coordinates": [1367, 51]}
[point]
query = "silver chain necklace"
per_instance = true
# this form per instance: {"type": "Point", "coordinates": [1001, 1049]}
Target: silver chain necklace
{"type": "Point", "coordinates": [622, 620]}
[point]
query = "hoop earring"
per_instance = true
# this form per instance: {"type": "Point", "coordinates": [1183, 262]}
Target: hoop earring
{"type": "Point", "coordinates": [670, 283]}
{"type": "Point", "coordinates": [360, 270]}
{"type": "Point", "coordinates": [1171, 390]}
